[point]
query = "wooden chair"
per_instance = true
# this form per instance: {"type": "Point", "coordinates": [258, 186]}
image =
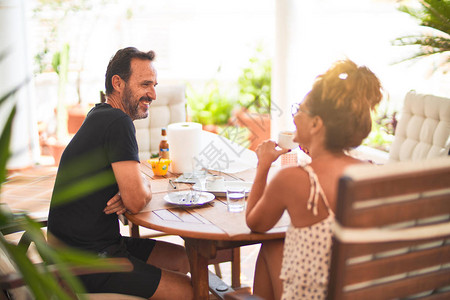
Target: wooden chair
{"type": "Point", "coordinates": [12, 285]}
{"type": "Point", "coordinates": [392, 235]}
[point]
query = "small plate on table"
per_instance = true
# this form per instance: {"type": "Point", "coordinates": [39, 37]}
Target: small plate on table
{"type": "Point", "coordinates": [189, 198]}
{"type": "Point", "coordinates": [222, 192]}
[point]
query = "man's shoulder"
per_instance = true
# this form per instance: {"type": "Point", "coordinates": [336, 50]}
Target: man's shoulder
{"type": "Point", "coordinates": [106, 111]}
{"type": "Point", "coordinates": [104, 108]}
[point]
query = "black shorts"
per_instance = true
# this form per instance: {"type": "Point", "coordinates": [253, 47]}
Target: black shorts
{"type": "Point", "coordinates": [142, 281]}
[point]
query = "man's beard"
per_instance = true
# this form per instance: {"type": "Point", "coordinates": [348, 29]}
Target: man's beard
{"type": "Point", "coordinates": [132, 106]}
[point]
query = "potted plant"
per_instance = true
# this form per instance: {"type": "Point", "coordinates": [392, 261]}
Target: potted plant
{"type": "Point", "coordinates": [56, 16]}
{"type": "Point", "coordinates": [209, 107]}
{"type": "Point", "coordinates": [60, 64]}
{"type": "Point", "coordinates": [255, 98]}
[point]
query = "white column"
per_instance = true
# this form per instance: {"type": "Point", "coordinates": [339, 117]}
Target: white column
{"type": "Point", "coordinates": [279, 69]}
{"type": "Point", "coordinates": [15, 69]}
{"type": "Point", "coordinates": [287, 82]}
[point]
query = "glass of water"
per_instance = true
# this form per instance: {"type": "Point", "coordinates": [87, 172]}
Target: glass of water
{"type": "Point", "coordinates": [235, 198]}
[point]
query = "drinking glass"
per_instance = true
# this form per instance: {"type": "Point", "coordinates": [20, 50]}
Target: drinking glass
{"type": "Point", "coordinates": [235, 198]}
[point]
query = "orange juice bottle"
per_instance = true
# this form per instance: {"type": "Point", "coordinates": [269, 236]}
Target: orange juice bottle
{"type": "Point", "coordinates": [164, 145]}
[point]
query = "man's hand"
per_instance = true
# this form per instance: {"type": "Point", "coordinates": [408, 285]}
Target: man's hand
{"type": "Point", "coordinates": [115, 205]}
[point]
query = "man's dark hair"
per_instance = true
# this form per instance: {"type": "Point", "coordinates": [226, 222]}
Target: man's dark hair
{"type": "Point", "coordinates": [120, 64]}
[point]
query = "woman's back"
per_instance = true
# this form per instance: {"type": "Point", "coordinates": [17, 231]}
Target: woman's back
{"type": "Point", "coordinates": [327, 171]}
{"type": "Point", "coordinates": [307, 248]}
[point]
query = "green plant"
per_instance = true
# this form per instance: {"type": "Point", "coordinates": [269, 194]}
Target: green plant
{"type": "Point", "coordinates": [255, 83]}
{"type": "Point", "coordinates": [434, 15]}
{"type": "Point", "coordinates": [383, 129]}
{"type": "Point", "coordinates": [55, 17]}
{"type": "Point", "coordinates": [60, 64]}
{"type": "Point", "coordinates": [210, 105]}
{"type": "Point", "coordinates": [52, 15]}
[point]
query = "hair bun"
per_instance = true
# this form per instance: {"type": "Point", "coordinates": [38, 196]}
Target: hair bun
{"type": "Point", "coordinates": [343, 97]}
{"type": "Point", "coordinates": [348, 85]}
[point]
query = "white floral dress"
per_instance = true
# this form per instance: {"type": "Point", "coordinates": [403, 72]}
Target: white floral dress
{"type": "Point", "coordinates": [307, 251]}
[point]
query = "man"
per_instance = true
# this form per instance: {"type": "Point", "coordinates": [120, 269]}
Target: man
{"type": "Point", "coordinates": [99, 178]}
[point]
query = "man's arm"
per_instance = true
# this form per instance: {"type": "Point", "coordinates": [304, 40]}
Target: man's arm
{"type": "Point", "coordinates": [135, 191]}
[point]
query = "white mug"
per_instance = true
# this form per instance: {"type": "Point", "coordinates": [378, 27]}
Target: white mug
{"type": "Point", "coordinates": [285, 140]}
{"type": "Point", "coordinates": [215, 183]}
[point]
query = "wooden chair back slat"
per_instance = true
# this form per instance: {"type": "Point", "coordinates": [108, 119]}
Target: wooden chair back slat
{"type": "Point", "coordinates": [379, 248]}
{"type": "Point", "coordinates": [367, 249]}
{"type": "Point", "coordinates": [440, 296]}
{"type": "Point", "coordinates": [368, 194]}
{"type": "Point", "coordinates": [402, 288]}
{"type": "Point", "coordinates": [422, 206]}
{"type": "Point", "coordinates": [397, 264]}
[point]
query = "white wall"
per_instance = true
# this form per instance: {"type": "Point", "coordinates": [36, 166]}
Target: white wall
{"type": "Point", "coordinates": [15, 70]}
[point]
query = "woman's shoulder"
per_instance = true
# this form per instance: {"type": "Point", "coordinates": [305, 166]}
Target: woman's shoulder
{"type": "Point", "coordinates": [292, 172]}
{"type": "Point", "coordinates": [291, 179]}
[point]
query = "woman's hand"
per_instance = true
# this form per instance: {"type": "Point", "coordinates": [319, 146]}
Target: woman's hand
{"type": "Point", "coordinates": [257, 203]}
{"type": "Point", "coordinates": [267, 153]}
{"type": "Point", "coordinates": [115, 205]}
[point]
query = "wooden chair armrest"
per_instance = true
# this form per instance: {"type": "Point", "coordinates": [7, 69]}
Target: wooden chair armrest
{"type": "Point", "coordinates": [17, 227]}
{"type": "Point", "coordinates": [15, 279]}
{"type": "Point", "coordinates": [241, 295]}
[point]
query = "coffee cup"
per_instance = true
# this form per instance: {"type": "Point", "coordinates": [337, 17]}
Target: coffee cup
{"type": "Point", "coordinates": [286, 140]}
{"type": "Point", "coordinates": [215, 183]}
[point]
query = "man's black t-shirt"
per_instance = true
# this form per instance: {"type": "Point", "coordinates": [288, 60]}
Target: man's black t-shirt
{"type": "Point", "coordinates": [85, 180]}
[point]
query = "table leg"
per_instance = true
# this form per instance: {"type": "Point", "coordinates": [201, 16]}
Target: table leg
{"type": "Point", "coordinates": [236, 268]}
{"type": "Point", "coordinates": [199, 269]}
{"type": "Point", "coordinates": [134, 230]}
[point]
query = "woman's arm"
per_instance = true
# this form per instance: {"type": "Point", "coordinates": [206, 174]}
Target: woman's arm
{"type": "Point", "coordinates": [263, 209]}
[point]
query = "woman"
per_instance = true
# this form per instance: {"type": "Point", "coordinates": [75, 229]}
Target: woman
{"type": "Point", "coordinates": [334, 117]}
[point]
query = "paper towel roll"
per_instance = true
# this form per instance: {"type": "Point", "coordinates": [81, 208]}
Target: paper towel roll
{"type": "Point", "coordinates": [184, 144]}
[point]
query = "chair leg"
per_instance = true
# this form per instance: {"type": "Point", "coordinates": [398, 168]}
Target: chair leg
{"type": "Point", "coordinates": [217, 270]}
{"type": "Point", "coordinates": [4, 295]}
{"type": "Point", "coordinates": [232, 255]}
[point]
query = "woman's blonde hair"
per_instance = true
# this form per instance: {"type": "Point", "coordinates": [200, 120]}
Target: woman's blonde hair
{"type": "Point", "coordinates": [343, 97]}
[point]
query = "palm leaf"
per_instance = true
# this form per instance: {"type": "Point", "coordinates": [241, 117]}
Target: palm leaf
{"type": "Point", "coordinates": [5, 138]}
{"type": "Point", "coordinates": [5, 135]}
{"type": "Point", "coordinates": [430, 44]}
{"type": "Point", "coordinates": [433, 14]}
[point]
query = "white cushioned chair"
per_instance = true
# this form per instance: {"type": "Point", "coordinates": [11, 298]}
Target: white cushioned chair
{"type": "Point", "coordinates": [424, 128]}
{"type": "Point", "coordinates": [423, 131]}
{"type": "Point", "coordinates": [169, 107]}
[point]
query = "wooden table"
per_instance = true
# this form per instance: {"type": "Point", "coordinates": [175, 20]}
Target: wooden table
{"type": "Point", "coordinates": [29, 190]}
{"type": "Point", "coordinates": [205, 229]}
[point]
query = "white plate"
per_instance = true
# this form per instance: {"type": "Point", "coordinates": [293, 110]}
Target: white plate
{"type": "Point", "coordinates": [223, 192]}
{"type": "Point", "coordinates": [185, 198]}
